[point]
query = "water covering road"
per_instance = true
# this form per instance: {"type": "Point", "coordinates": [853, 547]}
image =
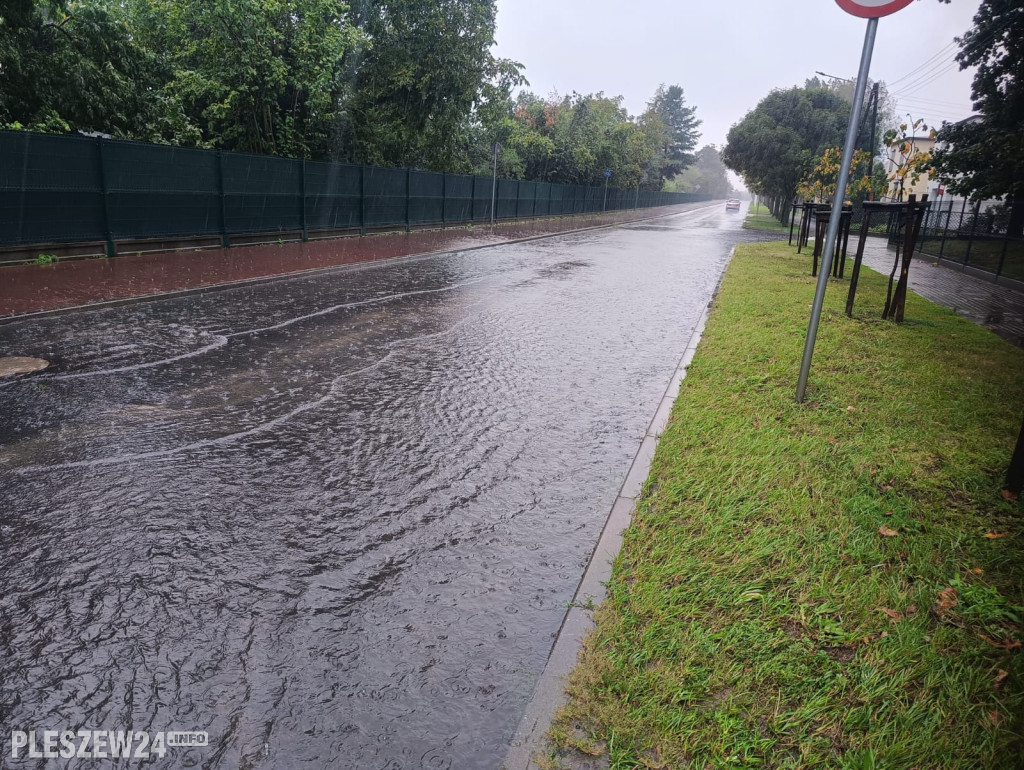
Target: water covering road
{"type": "Point", "coordinates": [333, 520]}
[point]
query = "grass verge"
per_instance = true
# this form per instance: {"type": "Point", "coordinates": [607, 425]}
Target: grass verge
{"type": "Point", "coordinates": [837, 584]}
{"type": "Point", "coordinates": [759, 218]}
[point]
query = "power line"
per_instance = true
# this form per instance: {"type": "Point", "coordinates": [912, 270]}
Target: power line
{"type": "Point", "coordinates": [927, 62]}
{"type": "Point", "coordinates": [933, 102]}
{"type": "Point", "coordinates": [925, 80]}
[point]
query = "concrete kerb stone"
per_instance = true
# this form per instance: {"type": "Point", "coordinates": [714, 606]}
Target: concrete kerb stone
{"type": "Point", "coordinates": [316, 270]}
{"type": "Point", "coordinates": [549, 693]}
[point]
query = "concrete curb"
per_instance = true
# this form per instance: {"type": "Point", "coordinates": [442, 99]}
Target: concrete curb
{"type": "Point", "coordinates": [314, 271]}
{"type": "Point", "coordinates": [549, 693]}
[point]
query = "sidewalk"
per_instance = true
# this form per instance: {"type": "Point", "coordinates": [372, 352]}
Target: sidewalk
{"type": "Point", "coordinates": [993, 306]}
{"type": "Point", "coordinates": [74, 283]}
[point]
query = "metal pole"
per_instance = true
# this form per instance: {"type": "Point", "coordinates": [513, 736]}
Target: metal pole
{"type": "Point", "coordinates": [604, 203]}
{"type": "Point", "coordinates": [837, 207]}
{"type": "Point", "coordinates": [874, 122]}
{"type": "Point", "coordinates": [362, 200]}
{"type": "Point", "coordinates": [225, 242]}
{"type": "Point", "coordinates": [111, 250]}
{"type": "Point", "coordinates": [974, 226]}
{"type": "Point", "coordinates": [494, 183]}
{"type": "Point", "coordinates": [302, 199]}
{"type": "Point", "coordinates": [945, 230]}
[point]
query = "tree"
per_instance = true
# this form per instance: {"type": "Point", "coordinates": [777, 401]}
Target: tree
{"type": "Point", "coordinates": [708, 175]}
{"type": "Point", "coordinates": [775, 144]}
{"type": "Point", "coordinates": [67, 65]}
{"type": "Point", "coordinates": [908, 161]}
{"type": "Point", "coordinates": [262, 76]}
{"type": "Point", "coordinates": [821, 182]}
{"type": "Point", "coordinates": [887, 108]}
{"type": "Point", "coordinates": [417, 81]}
{"type": "Point", "coordinates": [985, 158]}
{"type": "Point", "coordinates": [681, 134]}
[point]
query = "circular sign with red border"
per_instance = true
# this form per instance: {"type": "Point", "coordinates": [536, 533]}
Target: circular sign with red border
{"type": "Point", "coordinates": [872, 9]}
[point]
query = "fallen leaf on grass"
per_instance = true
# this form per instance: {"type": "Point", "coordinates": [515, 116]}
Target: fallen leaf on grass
{"type": "Point", "coordinates": [1003, 644]}
{"type": "Point", "coordinates": [1011, 496]}
{"type": "Point", "coordinates": [947, 600]}
{"type": "Point", "coordinates": [976, 570]}
{"type": "Point", "coordinates": [849, 409]}
{"type": "Point", "coordinates": [895, 616]}
{"type": "Point", "coordinates": [910, 610]}
{"type": "Point", "coordinates": [889, 512]}
{"type": "Point", "coordinates": [995, 535]}
{"type": "Point", "coordinates": [884, 531]}
{"type": "Point", "coordinates": [995, 717]}
{"type": "Point", "coordinates": [1000, 678]}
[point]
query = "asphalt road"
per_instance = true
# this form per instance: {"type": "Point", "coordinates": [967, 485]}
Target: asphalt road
{"type": "Point", "coordinates": [332, 520]}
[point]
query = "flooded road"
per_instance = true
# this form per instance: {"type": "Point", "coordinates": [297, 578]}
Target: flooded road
{"type": "Point", "coordinates": [334, 520]}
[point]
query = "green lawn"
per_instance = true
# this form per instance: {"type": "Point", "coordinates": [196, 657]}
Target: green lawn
{"type": "Point", "coordinates": [834, 584]}
{"type": "Point", "coordinates": [759, 218]}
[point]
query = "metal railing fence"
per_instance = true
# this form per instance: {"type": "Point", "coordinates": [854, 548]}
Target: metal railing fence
{"type": "Point", "coordinates": [59, 189]}
{"type": "Point", "coordinates": [974, 238]}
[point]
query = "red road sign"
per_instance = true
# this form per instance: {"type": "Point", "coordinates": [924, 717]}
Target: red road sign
{"type": "Point", "coordinates": [872, 9]}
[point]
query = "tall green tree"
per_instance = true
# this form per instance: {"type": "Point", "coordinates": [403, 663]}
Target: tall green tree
{"type": "Point", "coordinates": [681, 129]}
{"type": "Point", "coordinates": [708, 175]}
{"type": "Point", "coordinates": [775, 144]}
{"type": "Point", "coordinates": [74, 65]}
{"type": "Point", "coordinates": [417, 81]}
{"type": "Point", "coordinates": [985, 158]}
{"type": "Point", "coordinates": [262, 76]}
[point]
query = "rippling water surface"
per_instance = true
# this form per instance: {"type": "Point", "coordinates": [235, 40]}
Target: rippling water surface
{"type": "Point", "coordinates": [333, 520]}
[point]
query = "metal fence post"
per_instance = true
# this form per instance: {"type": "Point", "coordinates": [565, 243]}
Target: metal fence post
{"type": "Point", "coordinates": [111, 249]}
{"type": "Point", "coordinates": [302, 195]}
{"type": "Point", "coordinates": [408, 193]}
{"type": "Point", "coordinates": [974, 226]}
{"type": "Point", "coordinates": [362, 200]}
{"type": "Point", "coordinates": [444, 199]}
{"type": "Point", "coordinates": [945, 230]}
{"type": "Point", "coordinates": [1006, 245]}
{"type": "Point", "coordinates": [225, 242]}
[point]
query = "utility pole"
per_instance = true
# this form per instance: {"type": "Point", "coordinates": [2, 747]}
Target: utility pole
{"type": "Point", "coordinates": [874, 124]}
{"type": "Point", "coordinates": [604, 205]}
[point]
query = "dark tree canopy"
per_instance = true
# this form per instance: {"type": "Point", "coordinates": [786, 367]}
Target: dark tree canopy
{"type": "Point", "coordinates": [67, 65]}
{"type": "Point", "coordinates": [681, 123]}
{"type": "Point", "coordinates": [389, 82]}
{"type": "Point", "coordinates": [708, 175]}
{"type": "Point", "coordinates": [776, 143]}
{"type": "Point", "coordinates": [985, 158]}
{"type": "Point", "coordinates": [417, 80]}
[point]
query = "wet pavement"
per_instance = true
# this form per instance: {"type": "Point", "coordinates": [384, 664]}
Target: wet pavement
{"type": "Point", "coordinates": [334, 520]}
{"type": "Point", "coordinates": [71, 283]}
{"type": "Point", "coordinates": [997, 307]}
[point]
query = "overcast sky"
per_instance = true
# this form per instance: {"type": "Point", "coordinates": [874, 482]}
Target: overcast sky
{"type": "Point", "coordinates": [728, 54]}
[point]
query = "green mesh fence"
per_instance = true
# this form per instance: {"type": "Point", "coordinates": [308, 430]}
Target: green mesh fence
{"type": "Point", "coordinates": [66, 189]}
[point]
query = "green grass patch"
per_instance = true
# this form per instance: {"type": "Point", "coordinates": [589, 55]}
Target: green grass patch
{"type": "Point", "coordinates": [759, 218]}
{"type": "Point", "coordinates": [758, 616]}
